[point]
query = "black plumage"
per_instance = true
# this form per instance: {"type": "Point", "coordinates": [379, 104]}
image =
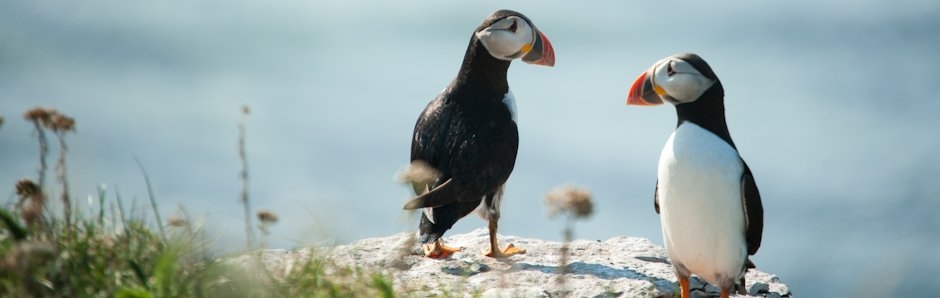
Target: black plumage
{"type": "Point", "coordinates": [468, 134]}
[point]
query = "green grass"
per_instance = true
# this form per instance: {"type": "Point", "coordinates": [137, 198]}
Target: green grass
{"type": "Point", "coordinates": [96, 258]}
{"type": "Point", "coordinates": [106, 253]}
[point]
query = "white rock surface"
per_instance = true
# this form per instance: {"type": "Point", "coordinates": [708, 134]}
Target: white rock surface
{"type": "Point", "coordinates": [618, 267]}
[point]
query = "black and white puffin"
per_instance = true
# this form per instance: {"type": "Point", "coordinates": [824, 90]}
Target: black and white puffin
{"type": "Point", "coordinates": [468, 133]}
{"type": "Point", "coordinates": [709, 206]}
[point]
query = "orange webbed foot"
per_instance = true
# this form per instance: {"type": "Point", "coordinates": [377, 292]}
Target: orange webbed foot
{"type": "Point", "coordinates": [437, 250]}
{"type": "Point", "coordinates": [510, 250]}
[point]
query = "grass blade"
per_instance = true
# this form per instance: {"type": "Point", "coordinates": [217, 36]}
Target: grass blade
{"type": "Point", "coordinates": [18, 232]}
{"type": "Point", "coordinates": [153, 201]}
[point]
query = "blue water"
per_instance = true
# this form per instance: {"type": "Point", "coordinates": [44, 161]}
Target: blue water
{"type": "Point", "coordinates": [832, 104]}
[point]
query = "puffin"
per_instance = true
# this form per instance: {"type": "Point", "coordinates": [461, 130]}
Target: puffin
{"type": "Point", "coordinates": [468, 133]}
{"type": "Point", "coordinates": [709, 205]}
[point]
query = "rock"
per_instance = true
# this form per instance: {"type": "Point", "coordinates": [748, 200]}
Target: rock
{"type": "Point", "coordinates": [758, 287]}
{"type": "Point", "coordinates": [618, 267]}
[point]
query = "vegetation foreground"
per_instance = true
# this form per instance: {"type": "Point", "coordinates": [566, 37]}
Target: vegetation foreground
{"type": "Point", "coordinates": [112, 251]}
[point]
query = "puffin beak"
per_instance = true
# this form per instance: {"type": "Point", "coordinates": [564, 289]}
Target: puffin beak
{"type": "Point", "coordinates": [541, 52]}
{"type": "Point", "coordinates": [642, 92]}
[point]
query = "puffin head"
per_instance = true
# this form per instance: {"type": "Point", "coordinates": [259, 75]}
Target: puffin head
{"type": "Point", "coordinates": [677, 79]}
{"type": "Point", "coordinates": [508, 35]}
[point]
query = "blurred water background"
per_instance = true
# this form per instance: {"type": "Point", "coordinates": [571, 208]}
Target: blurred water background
{"type": "Point", "coordinates": [833, 105]}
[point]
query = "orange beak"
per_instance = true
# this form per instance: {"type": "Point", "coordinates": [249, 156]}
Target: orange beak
{"type": "Point", "coordinates": [542, 52]}
{"type": "Point", "coordinates": [642, 93]}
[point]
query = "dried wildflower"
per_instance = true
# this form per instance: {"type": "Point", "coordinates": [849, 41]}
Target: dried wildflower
{"type": "Point", "coordinates": [38, 114]}
{"type": "Point", "coordinates": [243, 175]}
{"type": "Point", "coordinates": [572, 201]}
{"type": "Point", "coordinates": [575, 203]}
{"type": "Point", "coordinates": [29, 190]}
{"type": "Point", "coordinates": [26, 187]}
{"type": "Point", "coordinates": [51, 119]}
{"type": "Point", "coordinates": [420, 175]}
{"type": "Point", "coordinates": [419, 172]}
{"type": "Point", "coordinates": [59, 122]}
{"type": "Point", "coordinates": [267, 217]}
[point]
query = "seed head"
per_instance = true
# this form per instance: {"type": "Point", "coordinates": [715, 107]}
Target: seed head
{"type": "Point", "coordinates": [267, 217]}
{"type": "Point", "coordinates": [420, 172]}
{"type": "Point", "coordinates": [51, 119]}
{"type": "Point", "coordinates": [59, 122]}
{"type": "Point", "coordinates": [571, 201]}
{"type": "Point", "coordinates": [38, 114]}
{"type": "Point", "coordinates": [26, 187]}
{"type": "Point", "coordinates": [29, 190]}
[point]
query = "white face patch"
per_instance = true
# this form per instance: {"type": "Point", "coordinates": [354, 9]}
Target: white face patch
{"type": "Point", "coordinates": [506, 38]}
{"type": "Point", "coordinates": [510, 103]}
{"type": "Point", "coordinates": [680, 80]}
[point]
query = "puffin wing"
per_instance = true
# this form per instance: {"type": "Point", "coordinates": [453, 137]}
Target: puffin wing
{"type": "Point", "coordinates": [446, 193]}
{"type": "Point", "coordinates": [656, 197]}
{"type": "Point", "coordinates": [753, 211]}
{"type": "Point", "coordinates": [440, 195]}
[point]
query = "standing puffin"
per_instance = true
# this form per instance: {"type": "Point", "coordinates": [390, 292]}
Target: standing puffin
{"type": "Point", "coordinates": [468, 133]}
{"type": "Point", "coordinates": [709, 205]}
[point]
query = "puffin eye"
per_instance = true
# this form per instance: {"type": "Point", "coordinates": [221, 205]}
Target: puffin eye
{"type": "Point", "coordinates": [513, 27]}
{"type": "Point", "coordinates": [670, 70]}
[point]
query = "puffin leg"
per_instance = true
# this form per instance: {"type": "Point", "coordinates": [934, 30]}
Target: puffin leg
{"type": "Point", "coordinates": [437, 250]}
{"type": "Point", "coordinates": [494, 250]}
{"type": "Point", "coordinates": [684, 287]}
{"type": "Point", "coordinates": [725, 293]}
